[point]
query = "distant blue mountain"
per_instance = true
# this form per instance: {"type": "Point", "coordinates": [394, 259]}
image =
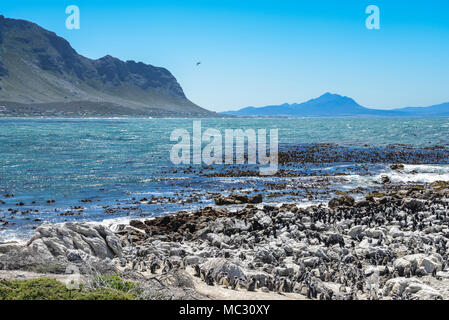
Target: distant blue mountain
{"type": "Point", "coordinates": [334, 105]}
{"type": "Point", "coordinates": [439, 110]}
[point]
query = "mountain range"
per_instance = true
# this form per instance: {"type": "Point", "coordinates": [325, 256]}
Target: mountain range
{"type": "Point", "coordinates": [334, 105]}
{"type": "Point", "coordinates": [42, 75]}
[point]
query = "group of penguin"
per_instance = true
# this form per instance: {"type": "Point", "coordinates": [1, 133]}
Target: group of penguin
{"type": "Point", "coordinates": [350, 271]}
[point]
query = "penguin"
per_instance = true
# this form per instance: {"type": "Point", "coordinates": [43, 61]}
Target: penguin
{"type": "Point", "coordinates": [235, 283]}
{"type": "Point", "coordinates": [226, 281]}
{"type": "Point", "coordinates": [168, 263]}
{"type": "Point", "coordinates": [182, 265]}
{"type": "Point", "coordinates": [202, 275]}
{"type": "Point", "coordinates": [209, 279]}
{"type": "Point", "coordinates": [219, 277]}
{"type": "Point", "coordinates": [314, 291]}
{"type": "Point", "coordinates": [284, 286]}
{"type": "Point", "coordinates": [269, 284]}
{"type": "Point", "coordinates": [309, 292]}
{"type": "Point", "coordinates": [143, 266]}
{"type": "Point", "coordinates": [165, 270]}
{"type": "Point", "coordinates": [153, 267]}
{"type": "Point", "coordinates": [197, 270]}
{"type": "Point", "coordinates": [252, 284]}
{"type": "Point", "coordinates": [408, 273]}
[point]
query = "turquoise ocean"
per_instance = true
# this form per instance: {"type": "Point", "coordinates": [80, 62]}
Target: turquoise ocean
{"type": "Point", "coordinates": [95, 163]}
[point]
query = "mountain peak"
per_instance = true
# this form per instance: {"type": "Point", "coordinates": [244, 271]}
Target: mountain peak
{"type": "Point", "coordinates": [329, 95]}
{"type": "Point", "coordinates": [326, 105]}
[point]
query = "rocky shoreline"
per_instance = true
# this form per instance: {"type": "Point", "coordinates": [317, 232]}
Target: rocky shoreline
{"type": "Point", "coordinates": [385, 246]}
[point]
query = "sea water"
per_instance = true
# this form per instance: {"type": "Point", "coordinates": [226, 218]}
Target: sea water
{"type": "Point", "coordinates": [110, 161]}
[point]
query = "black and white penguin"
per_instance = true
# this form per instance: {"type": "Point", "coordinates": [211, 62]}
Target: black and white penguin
{"type": "Point", "coordinates": [209, 278]}
{"type": "Point", "coordinates": [154, 265]}
{"type": "Point", "coordinates": [225, 280]}
{"type": "Point", "coordinates": [235, 283]}
{"type": "Point", "coordinates": [197, 270]}
{"type": "Point", "coordinates": [252, 284]}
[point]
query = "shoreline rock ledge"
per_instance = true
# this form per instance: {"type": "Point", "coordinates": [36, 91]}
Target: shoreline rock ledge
{"type": "Point", "coordinates": [388, 246]}
{"type": "Point", "coordinates": [53, 248]}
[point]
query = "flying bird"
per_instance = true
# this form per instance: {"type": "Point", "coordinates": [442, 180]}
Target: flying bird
{"type": "Point", "coordinates": [198, 63]}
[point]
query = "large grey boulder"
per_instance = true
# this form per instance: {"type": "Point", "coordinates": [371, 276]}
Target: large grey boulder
{"type": "Point", "coordinates": [191, 260]}
{"type": "Point", "coordinates": [219, 265]}
{"type": "Point", "coordinates": [53, 247]}
{"type": "Point", "coordinates": [426, 264]}
{"type": "Point", "coordinates": [263, 219]}
{"type": "Point", "coordinates": [265, 256]}
{"type": "Point", "coordinates": [410, 287]}
{"type": "Point", "coordinates": [365, 248]}
{"type": "Point", "coordinates": [356, 231]}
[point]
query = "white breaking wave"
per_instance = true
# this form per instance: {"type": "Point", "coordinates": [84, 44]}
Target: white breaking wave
{"type": "Point", "coordinates": [421, 173]}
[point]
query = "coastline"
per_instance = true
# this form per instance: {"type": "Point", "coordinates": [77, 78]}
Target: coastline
{"type": "Point", "coordinates": [308, 174]}
{"type": "Point", "coordinates": [381, 247]}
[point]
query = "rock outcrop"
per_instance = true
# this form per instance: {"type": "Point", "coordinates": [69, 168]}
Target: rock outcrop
{"type": "Point", "coordinates": [41, 74]}
{"type": "Point", "coordinates": [237, 199]}
{"type": "Point", "coordinates": [54, 247]}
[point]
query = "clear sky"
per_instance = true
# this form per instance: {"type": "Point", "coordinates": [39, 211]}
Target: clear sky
{"type": "Point", "coordinates": [259, 52]}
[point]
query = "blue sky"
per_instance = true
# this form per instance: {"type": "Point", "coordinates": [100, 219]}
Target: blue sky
{"type": "Point", "coordinates": [257, 53]}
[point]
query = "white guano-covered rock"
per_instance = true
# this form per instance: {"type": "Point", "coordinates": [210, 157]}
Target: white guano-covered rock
{"type": "Point", "coordinates": [426, 264]}
{"type": "Point", "coordinates": [410, 287]}
{"type": "Point", "coordinates": [219, 265]}
{"type": "Point", "coordinates": [56, 246]}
